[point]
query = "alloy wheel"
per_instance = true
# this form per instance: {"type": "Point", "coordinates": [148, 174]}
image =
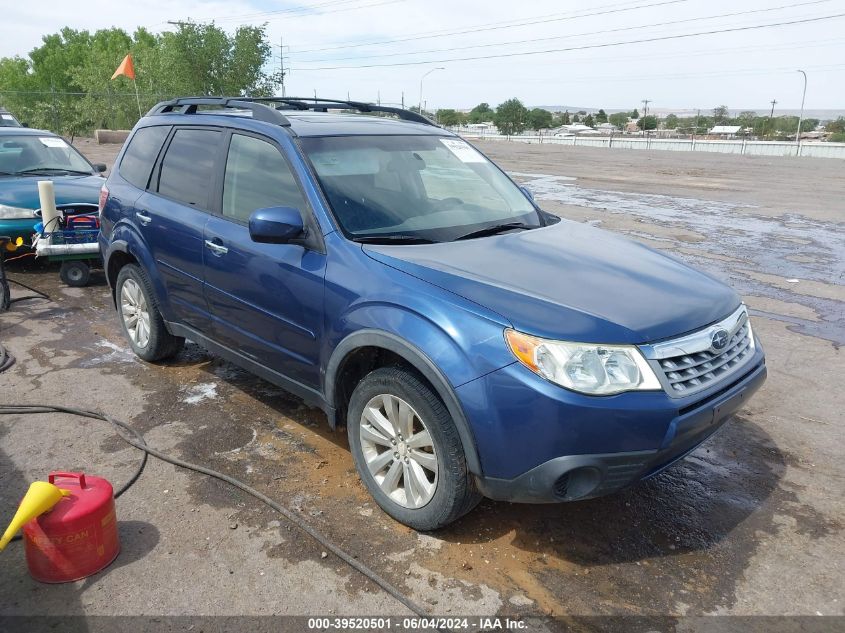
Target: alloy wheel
{"type": "Point", "coordinates": [398, 451]}
{"type": "Point", "coordinates": [135, 313]}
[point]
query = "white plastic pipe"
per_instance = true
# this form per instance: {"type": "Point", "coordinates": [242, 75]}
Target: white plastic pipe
{"type": "Point", "coordinates": [44, 247]}
{"type": "Point", "coordinates": [49, 213]}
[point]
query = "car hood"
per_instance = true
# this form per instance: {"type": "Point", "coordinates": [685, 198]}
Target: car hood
{"type": "Point", "coordinates": [23, 191]}
{"type": "Point", "coordinates": [571, 281]}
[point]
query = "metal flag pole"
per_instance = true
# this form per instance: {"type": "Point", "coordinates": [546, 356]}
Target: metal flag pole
{"type": "Point", "coordinates": [137, 97]}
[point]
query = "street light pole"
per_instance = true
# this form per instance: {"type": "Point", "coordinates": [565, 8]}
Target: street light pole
{"type": "Point", "coordinates": [421, 84]}
{"type": "Point", "coordinates": [801, 116]}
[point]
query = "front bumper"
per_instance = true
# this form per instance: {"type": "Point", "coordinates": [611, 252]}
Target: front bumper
{"type": "Point", "coordinates": [638, 442]}
{"type": "Point", "coordinates": [23, 228]}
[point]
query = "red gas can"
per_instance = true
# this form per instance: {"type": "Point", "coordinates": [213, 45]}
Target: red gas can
{"type": "Point", "coordinates": [78, 537]}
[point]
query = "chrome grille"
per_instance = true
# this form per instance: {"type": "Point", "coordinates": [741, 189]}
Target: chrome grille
{"type": "Point", "coordinates": [690, 364]}
{"type": "Point", "coordinates": [691, 372]}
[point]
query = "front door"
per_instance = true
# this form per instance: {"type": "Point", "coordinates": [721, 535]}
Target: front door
{"type": "Point", "coordinates": [266, 300]}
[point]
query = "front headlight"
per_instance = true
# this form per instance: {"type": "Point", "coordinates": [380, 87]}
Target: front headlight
{"type": "Point", "coordinates": [15, 213]}
{"type": "Point", "coordinates": [598, 370]}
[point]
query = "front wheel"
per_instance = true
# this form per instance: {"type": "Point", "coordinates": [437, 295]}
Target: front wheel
{"type": "Point", "coordinates": [407, 450]}
{"type": "Point", "coordinates": [142, 323]}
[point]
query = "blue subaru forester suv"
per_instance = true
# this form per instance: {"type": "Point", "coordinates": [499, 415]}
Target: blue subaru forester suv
{"type": "Point", "coordinates": [384, 270]}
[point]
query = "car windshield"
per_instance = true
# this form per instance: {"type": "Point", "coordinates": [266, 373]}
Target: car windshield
{"type": "Point", "coordinates": [39, 155]}
{"type": "Point", "coordinates": [416, 188]}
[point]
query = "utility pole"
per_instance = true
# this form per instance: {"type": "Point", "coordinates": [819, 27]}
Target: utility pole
{"type": "Point", "coordinates": [282, 64]}
{"type": "Point", "coordinates": [772, 115]}
{"type": "Point", "coordinates": [282, 72]}
{"type": "Point", "coordinates": [801, 116]}
{"type": "Point", "coordinates": [645, 114]}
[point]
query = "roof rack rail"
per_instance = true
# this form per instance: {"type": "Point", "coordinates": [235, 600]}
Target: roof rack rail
{"type": "Point", "coordinates": [319, 104]}
{"type": "Point", "coordinates": [188, 105]}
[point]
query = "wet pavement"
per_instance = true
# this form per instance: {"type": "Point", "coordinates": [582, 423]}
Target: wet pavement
{"type": "Point", "coordinates": [750, 524]}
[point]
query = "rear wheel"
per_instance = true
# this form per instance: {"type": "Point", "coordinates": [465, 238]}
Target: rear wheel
{"type": "Point", "coordinates": [407, 450]}
{"type": "Point", "coordinates": [139, 316]}
{"type": "Point", "coordinates": [75, 273]}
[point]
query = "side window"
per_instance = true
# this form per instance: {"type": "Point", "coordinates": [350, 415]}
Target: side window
{"type": "Point", "coordinates": [187, 170]}
{"type": "Point", "coordinates": [257, 176]}
{"type": "Point", "coordinates": [138, 159]}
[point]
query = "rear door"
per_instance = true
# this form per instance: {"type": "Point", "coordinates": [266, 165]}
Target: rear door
{"type": "Point", "coordinates": [266, 299]}
{"type": "Point", "coordinates": [172, 216]}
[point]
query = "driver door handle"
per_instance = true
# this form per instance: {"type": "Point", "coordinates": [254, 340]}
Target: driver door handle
{"type": "Point", "coordinates": [217, 249]}
{"type": "Point", "coordinates": [143, 218]}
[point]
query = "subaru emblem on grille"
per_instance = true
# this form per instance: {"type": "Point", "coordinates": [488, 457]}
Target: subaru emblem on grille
{"type": "Point", "coordinates": [719, 340]}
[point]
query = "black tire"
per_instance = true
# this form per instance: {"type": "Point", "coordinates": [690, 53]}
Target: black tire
{"type": "Point", "coordinates": [161, 343]}
{"type": "Point", "coordinates": [454, 494]}
{"type": "Point", "coordinates": [75, 273]}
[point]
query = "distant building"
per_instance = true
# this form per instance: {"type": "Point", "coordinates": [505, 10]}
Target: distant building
{"type": "Point", "coordinates": [607, 128]}
{"type": "Point", "coordinates": [727, 131]}
{"type": "Point", "coordinates": [576, 129]}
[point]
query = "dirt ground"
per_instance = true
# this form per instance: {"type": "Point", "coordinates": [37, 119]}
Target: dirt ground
{"type": "Point", "coordinates": [749, 524]}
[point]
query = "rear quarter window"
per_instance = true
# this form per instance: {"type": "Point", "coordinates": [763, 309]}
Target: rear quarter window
{"type": "Point", "coordinates": [138, 159]}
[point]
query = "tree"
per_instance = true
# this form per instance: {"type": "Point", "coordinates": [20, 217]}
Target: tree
{"type": "Point", "coordinates": [747, 118]}
{"type": "Point", "coordinates": [539, 119]}
{"type": "Point", "coordinates": [671, 122]}
{"type": "Point", "coordinates": [601, 116]}
{"type": "Point", "coordinates": [837, 126]}
{"type": "Point", "coordinates": [619, 119]}
{"type": "Point", "coordinates": [196, 59]}
{"type": "Point", "coordinates": [566, 119]}
{"type": "Point", "coordinates": [808, 125]}
{"type": "Point", "coordinates": [720, 113]}
{"type": "Point", "coordinates": [449, 117]}
{"type": "Point", "coordinates": [648, 122]}
{"type": "Point", "coordinates": [576, 118]}
{"type": "Point", "coordinates": [837, 137]}
{"type": "Point", "coordinates": [588, 121]}
{"type": "Point", "coordinates": [481, 113]}
{"type": "Point", "coordinates": [511, 117]}
{"type": "Point", "coordinates": [635, 114]}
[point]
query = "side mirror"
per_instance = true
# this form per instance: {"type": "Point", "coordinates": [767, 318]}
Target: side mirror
{"type": "Point", "coordinates": [100, 167]}
{"type": "Point", "coordinates": [276, 225]}
{"type": "Point", "coordinates": [528, 193]}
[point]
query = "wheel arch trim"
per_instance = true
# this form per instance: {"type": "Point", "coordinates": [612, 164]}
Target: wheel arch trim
{"type": "Point", "coordinates": [419, 361]}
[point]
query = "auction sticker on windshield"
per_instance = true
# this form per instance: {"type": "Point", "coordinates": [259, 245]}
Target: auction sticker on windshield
{"type": "Point", "coordinates": [463, 150]}
{"type": "Point", "coordinates": [49, 141]}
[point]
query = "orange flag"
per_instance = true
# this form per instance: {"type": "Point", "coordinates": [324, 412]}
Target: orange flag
{"type": "Point", "coordinates": [125, 68]}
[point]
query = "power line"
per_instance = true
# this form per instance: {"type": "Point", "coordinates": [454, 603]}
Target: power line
{"type": "Point", "coordinates": [495, 26]}
{"type": "Point", "coordinates": [699, 52]}
{"type": "Point", "coordinates": [583, 47]}
{"type": "Point", "coordinates": [559, 37]}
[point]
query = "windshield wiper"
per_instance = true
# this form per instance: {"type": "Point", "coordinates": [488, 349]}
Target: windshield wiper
{"type": "Point", "coordinates": [35, 171]}
{"type": "Point", "coordinates": [396, 238]}
{"type": "Point", "coordinates": [496, 228]}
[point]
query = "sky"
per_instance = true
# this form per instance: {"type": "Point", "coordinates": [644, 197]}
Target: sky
{"type": "Point", "coordinates": [583, 53]}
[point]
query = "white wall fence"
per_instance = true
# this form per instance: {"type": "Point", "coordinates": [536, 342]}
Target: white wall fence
{"type": "Point", "coordinates": [735, 146]}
